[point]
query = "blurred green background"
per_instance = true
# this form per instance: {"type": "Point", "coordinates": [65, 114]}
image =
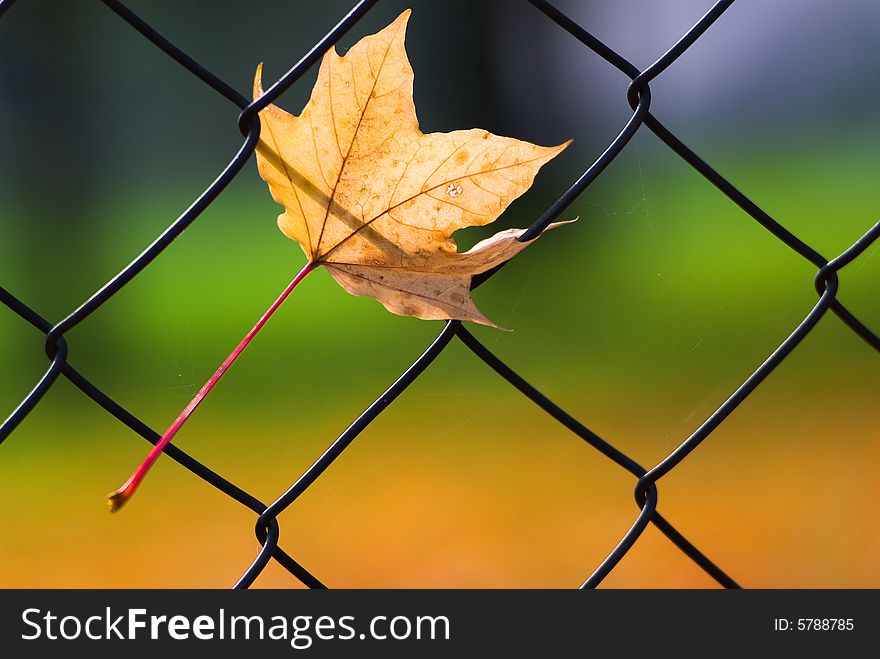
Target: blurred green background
{"type": "Point", "coordinates": [640, 319]}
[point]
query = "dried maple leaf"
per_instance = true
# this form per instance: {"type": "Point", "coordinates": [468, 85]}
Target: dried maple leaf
{"type": "Point", "coordinates": [374, 200]}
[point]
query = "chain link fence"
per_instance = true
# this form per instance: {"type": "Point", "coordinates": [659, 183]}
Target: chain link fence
{"type": "Point", "coordinates": [646, 495]}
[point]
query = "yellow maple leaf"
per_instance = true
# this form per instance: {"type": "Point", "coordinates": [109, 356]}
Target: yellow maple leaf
{"type": "Point", "coordinates": [374, 200]}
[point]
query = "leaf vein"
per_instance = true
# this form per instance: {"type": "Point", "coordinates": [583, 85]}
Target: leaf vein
{"type": "Point", "coordinates": [353, 140]}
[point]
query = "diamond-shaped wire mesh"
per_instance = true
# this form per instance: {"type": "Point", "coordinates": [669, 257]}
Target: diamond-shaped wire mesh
{"type": "Point", "coordinates": [639, 98]}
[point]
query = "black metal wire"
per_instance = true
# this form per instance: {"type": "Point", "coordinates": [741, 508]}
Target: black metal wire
{"type": "Point", "coordinates": [607, 449]}
{"type": "Point", "coordinates": [152, 436]}
{"type": "Point", "coordinates": [267, 527]}
{"type": "Point", "coordinates": [6, 5]}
